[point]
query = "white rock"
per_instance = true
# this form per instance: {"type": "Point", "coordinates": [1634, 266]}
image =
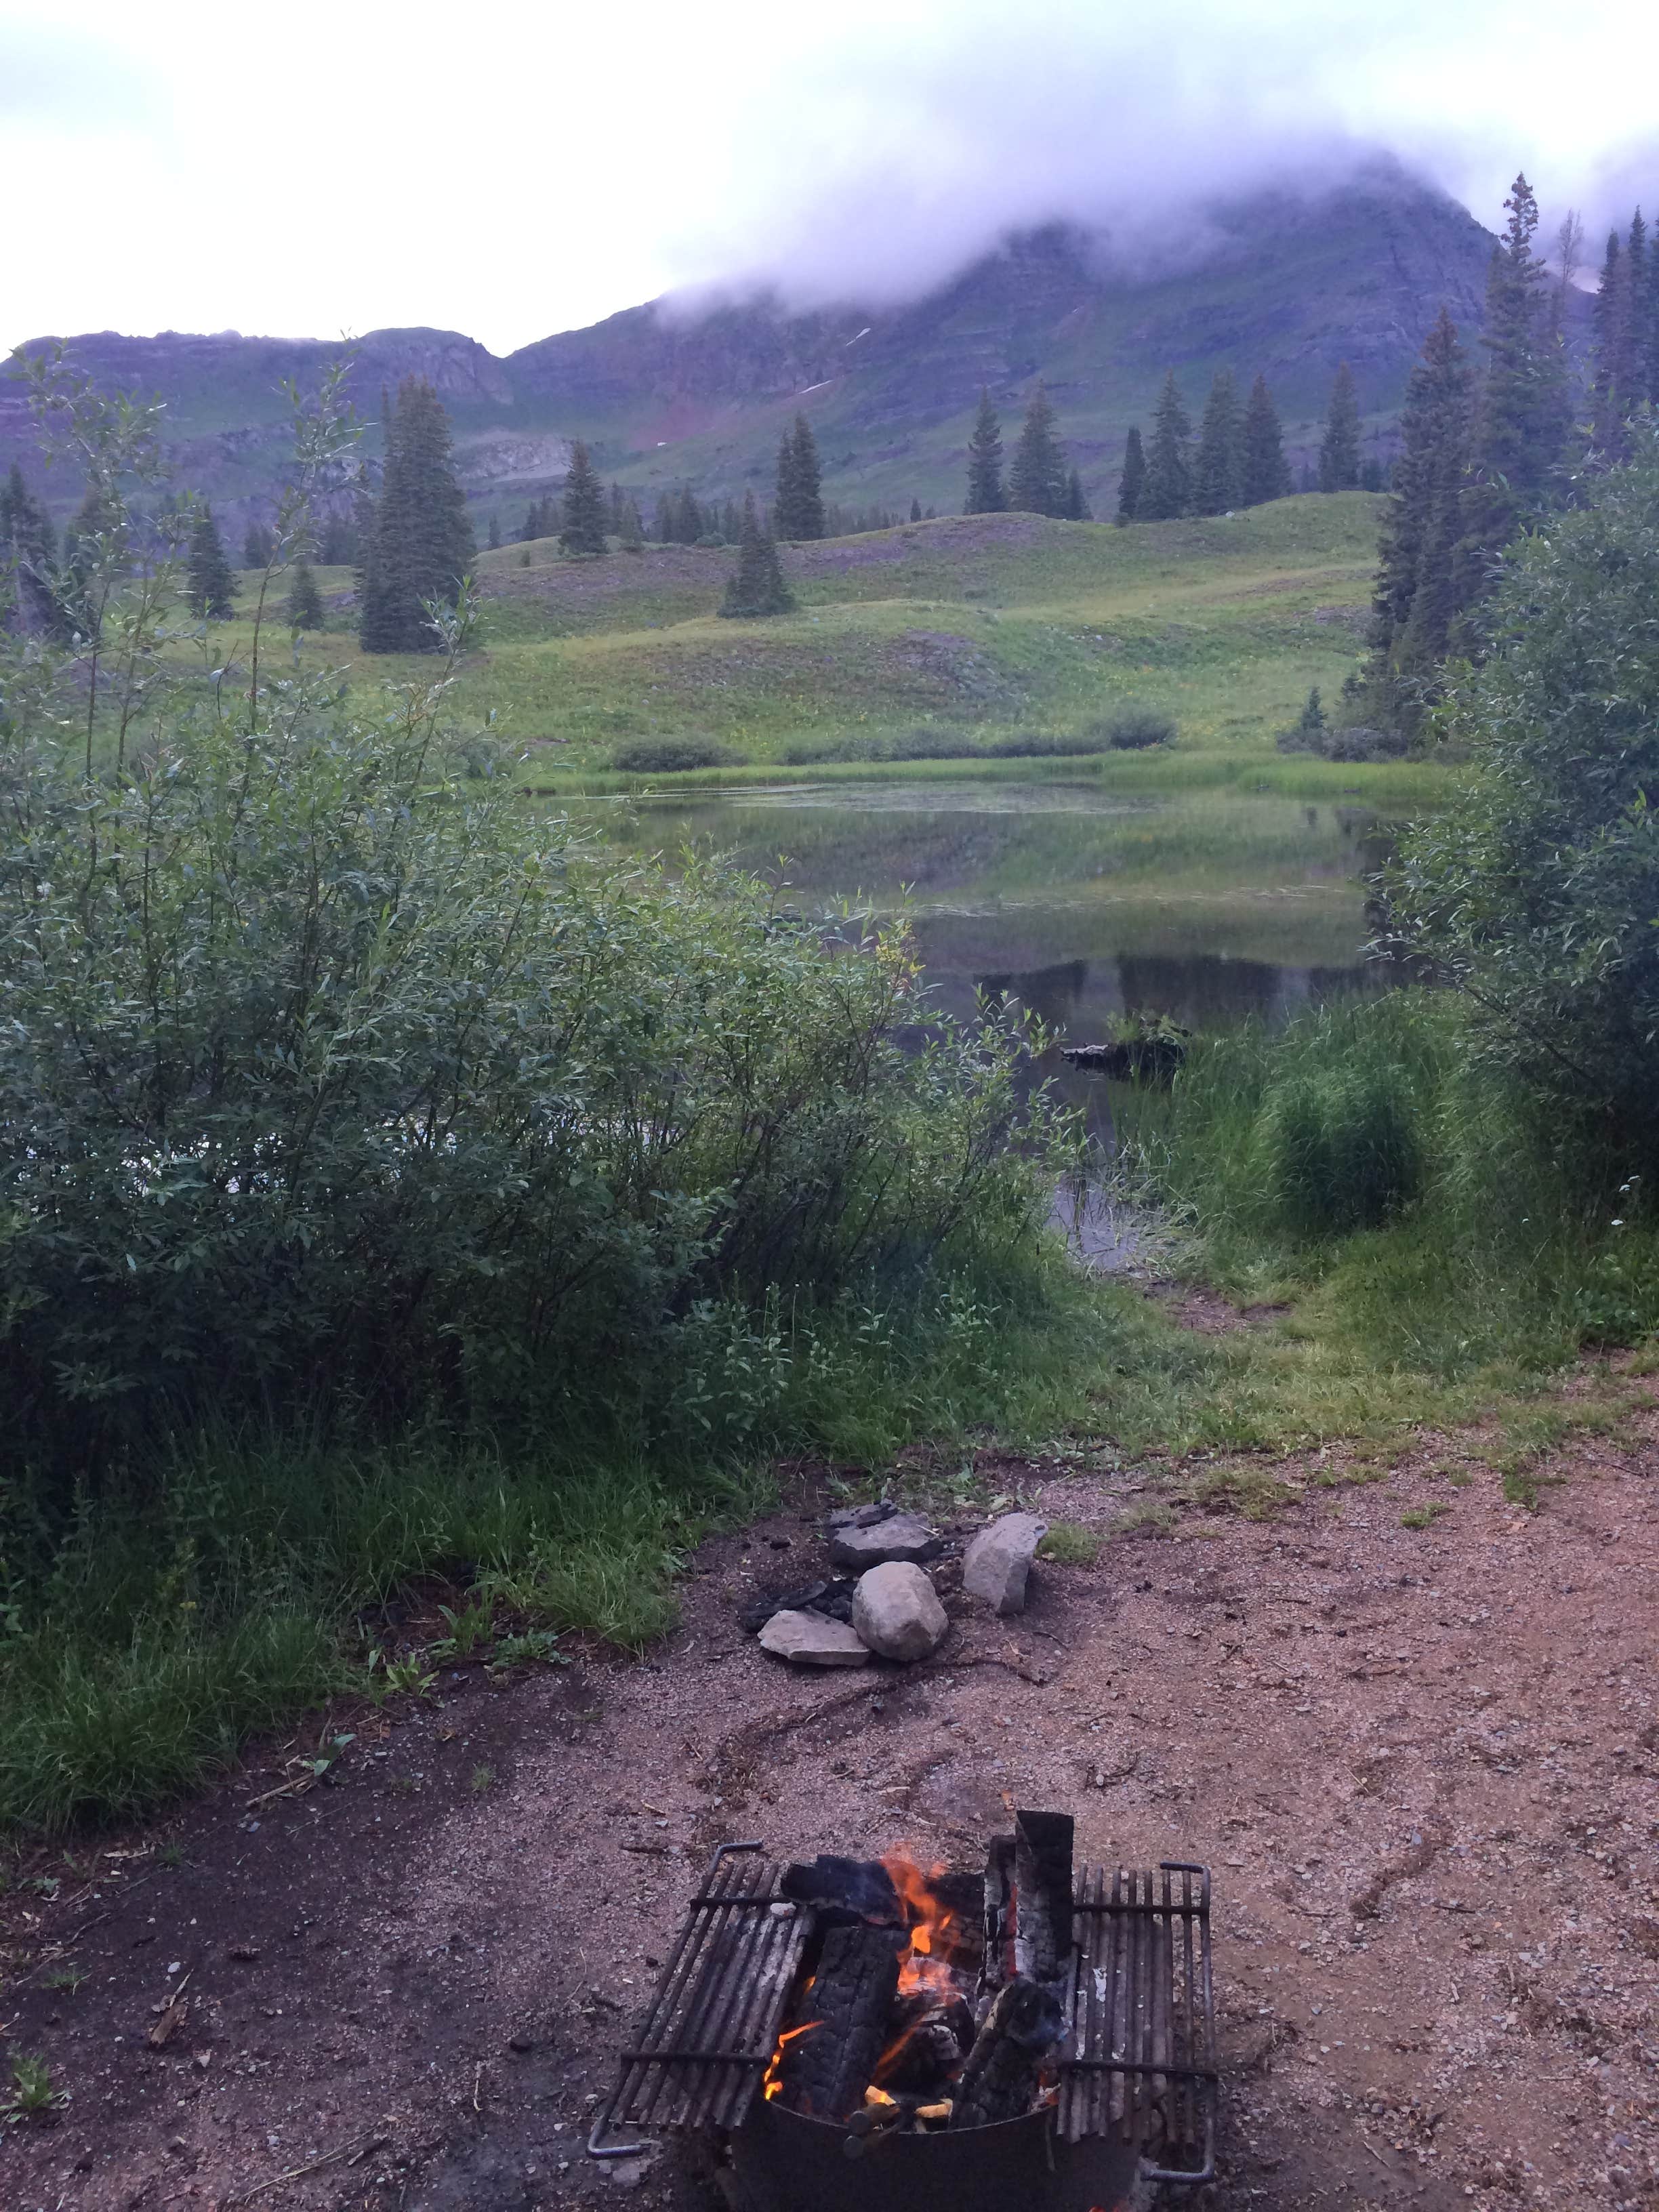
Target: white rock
{"type": "Point", "coordinates": [900, 1536]}
{"type": "Point", "coordinates": [812, 1639]}
{"type": "Point", "coordinates": [895, 1609]}
{"type": "Point", "coordinates": [996, 1563]}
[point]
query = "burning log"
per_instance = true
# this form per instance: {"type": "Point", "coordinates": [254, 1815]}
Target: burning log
{"type": "Point", "coordinates": [830, 2058]}
{"type": "Point", "coordinates": [1002, 2074]}
{"type": "Point", "coordinates": [1043, 1893]}
{"type": "Point", "coordinates": [928, 2040]}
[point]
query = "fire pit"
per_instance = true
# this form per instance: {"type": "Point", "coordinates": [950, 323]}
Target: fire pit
{"type": "Point", "coordinates": [851, 2036]}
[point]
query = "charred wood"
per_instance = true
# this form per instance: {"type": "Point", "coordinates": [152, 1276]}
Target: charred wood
{"type": "Point", "coordinates": [1001, 2077]}
{"type": "Point", "coordinates": [826, 2068]}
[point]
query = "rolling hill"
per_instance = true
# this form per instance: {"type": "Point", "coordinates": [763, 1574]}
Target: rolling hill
{"type": "Point", "coordinates": [669, 393]}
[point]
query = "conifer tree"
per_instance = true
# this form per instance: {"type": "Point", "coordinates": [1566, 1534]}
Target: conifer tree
{"type": "Point", "coordinates": [423, 543]}
{"type": "Point", "coordinates": [582, 523]}
{"type": "Point", "coordinates": [1218, 473]}
{"type": "Point", "coordinates": [1609, 321]}
{"type": "Point", "coordinates": [756, 586]}
{"type": "Point", "coordinates": [1133, 481]}
{"type": "Point", "coordinates": [1522, 415]}
{"type": "Point", "coordinates": [257, 546]}
{"type": "Point", "coordinates": [495, 533]}
{"type": "Point", "coordinates": [366, 579]}
{"type": "Point", "coordinates": [1077, 507]}
{"type": "Point", "coordinates": [1338, 450]}
{"type": "Point", "coordinates": [632, 532]}
{"type": "Point", "coordinates": [532, 522]}
{"type": "Point", "coordinates": [1036, 475]}
{"type": "Point", "coordinates": [614, 518]}
{"type": "Point", "coordinates": [305, 601]}
{"type": "Point", "coordinates": [985, 492]}
{"type": "Point", "coordinates": [1167, 489]}
{"type": "Point", "coordinates": [798, 507]}
{"type": "Point", "coordinates": [338, 548]}
{"type": "Point", "coordinates": [27, 542]}
{"type": "Point", "coordinates": [915, 510]}
{"type": "Point", "coordinates": [1265, 471]}
{"type": "Point", "coordinates": [209, 588]}
{"type": "Point", "coordinates": [1415, 603]}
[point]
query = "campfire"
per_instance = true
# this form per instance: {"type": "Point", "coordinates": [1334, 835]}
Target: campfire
{"type": "Point", "coordinates": [1031, 2032]}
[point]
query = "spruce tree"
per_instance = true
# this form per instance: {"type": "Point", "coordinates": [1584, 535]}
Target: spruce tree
{"type": "Point", "coordinates": [1338, 450]}
{"type": "Point", "coordinates": [1414, 603]}
{"type": "Point", "coordinates": [1077, 507]}
{"type": "Point", "coordinates": [257, 546]}
{"type": "Point", "coordinates": [27, 542]}
{"type": "Point", "coordinates": [209, 588]}
{"type": "Point", "coordinates": [1218, 473]}
{"type": "Point", "coordinates": [985, 492]}
{"type": "Point", "coordinates": [1265, 473]}
{"type": "Point", "coordinates": [582, 523]}
{"type": "Point", "coordinates": [1036, 475]}
{"type": "Point", "coordinates": [1133, 481]}
{"type": "Point", "coordinates": [784, 493]}
{"type": "Point", "coordinates": [305, 601]}
{"type": "Point", "coordinates": [532, 522]}
{"type": "Point", "coordinates": [423, 541]}
{"type": "Point", "coordinates": [1522, 415]}
{"type": "Point", "coordinates": [1168, 489]}
{"type": "Point", "coordinates": [798, 507]}
{"type": "Point", "coordinates": [1610, 320]}
{"type": "Point", "coordinates": [338, 547]}
{"type": "Point", "coordinates": [632, 532]}
{"type": "Point", "coordinates": [756, 586]}
{"type": "Point", "coordinates": [915, 510]}
{"type": "Point", "coordinates": [495, 540]}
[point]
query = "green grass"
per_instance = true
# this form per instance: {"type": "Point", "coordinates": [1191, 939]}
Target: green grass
{"type": "Point", "coordinates": [989, 627]}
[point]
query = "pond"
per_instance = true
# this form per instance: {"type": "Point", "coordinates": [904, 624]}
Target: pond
{"type": "Point", "coordinates": [1076, 903]}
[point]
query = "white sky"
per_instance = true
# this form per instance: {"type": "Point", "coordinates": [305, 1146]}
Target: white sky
{"type": "Point", "coordinates": [518, 169]}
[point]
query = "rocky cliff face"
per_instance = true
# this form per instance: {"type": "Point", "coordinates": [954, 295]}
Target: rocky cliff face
{"type": "Point", "coordinates": [1289, 285]}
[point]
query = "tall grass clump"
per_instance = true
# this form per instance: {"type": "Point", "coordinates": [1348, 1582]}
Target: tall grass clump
{"type": "Point", "coordinates": [392, 1182]}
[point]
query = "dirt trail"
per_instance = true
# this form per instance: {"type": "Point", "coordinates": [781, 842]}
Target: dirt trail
{"type": "Point", "coordinates": [1423, 1762]}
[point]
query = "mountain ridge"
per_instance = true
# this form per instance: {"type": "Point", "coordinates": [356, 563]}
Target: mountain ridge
{"type": "Point", "coordinates": [669, 391]}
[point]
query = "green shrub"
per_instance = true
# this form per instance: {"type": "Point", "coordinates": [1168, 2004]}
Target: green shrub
{"type": "Point", "coordinates": [671, 755]}
{"type": "Point", "coordinates": [1132, 728]}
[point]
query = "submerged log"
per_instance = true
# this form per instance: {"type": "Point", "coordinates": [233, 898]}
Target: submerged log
{"type": "Point", "coordinates": [1002, 2071]}
{"type": "Point", "coordinates": [828, 2060]}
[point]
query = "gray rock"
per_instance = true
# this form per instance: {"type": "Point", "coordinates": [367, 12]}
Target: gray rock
{"type": "Point", "coordinates": [900, 1536]}
{"type": "Point", "coordinates": [811, 1640]}
{"type": "Point", "coordinates": [862, 1516]}
{"type": "Point", "coordinates": [895, 1609]}
{"type": "Point", "coordinates": [996, 1563]}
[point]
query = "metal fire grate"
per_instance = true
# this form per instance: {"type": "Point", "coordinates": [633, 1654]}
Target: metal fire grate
{"type": "Point", "coordinates": [1142, 2063]}
{"type": "Point", "coordinates": [1139, 2062]}
{"type": "Point", "coordinates": [715, 2016]}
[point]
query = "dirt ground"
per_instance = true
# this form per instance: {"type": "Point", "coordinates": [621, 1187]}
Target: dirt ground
{"type": "Point", "coordinates": [1423, 1762]}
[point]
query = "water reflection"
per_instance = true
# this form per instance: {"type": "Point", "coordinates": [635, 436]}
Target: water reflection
{"type": "Point", "coordinates": [1063, 898]}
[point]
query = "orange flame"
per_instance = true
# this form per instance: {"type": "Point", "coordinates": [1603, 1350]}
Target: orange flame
{"type": "Point", "coordinates": [931, 1926]}
{"type": "Point", "coordinates": [772, 2080]}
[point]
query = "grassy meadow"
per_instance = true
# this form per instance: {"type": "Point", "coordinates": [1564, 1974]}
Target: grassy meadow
{"type": "Point", "coordinates": [987, 627]}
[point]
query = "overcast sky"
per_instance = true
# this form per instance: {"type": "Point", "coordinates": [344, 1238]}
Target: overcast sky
{"type": "Point", "coordinates": [516, 170]}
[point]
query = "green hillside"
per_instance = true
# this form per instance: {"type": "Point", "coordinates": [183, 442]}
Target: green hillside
{"type": "Point", "coordinates": [983, 629]}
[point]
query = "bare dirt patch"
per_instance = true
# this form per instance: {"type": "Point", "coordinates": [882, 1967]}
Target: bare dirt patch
{"type": "Point", "coordinates": [1422, 1759]}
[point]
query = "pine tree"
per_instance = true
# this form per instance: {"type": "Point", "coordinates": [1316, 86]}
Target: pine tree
{"type": "Point", "coordinates": [1167, 489]}
{"type": "Point", "coordinates": [27, 542]}
{"type": "Point", "coordinates": [1132, 482]}
{"type": "Point", "coordinates": [1338, 450]}
{"type": "Point", "coordinates": [423, 541]}
{"type": "Point", "coordinates": [582, 523]}
{"type": "Point", "coordinates": [1218, 474]}
{"type": "Point", "coordinates": [798, 507]}
{"type": "Point", "coordinates": [305, 601]}
{"type": "Point", "coordinates": [1077, 507]}
{"type": "Point", "coordinates": [209, 588]}
{"type": "Point", "coordinates": [985, 492]}
{"type": "Point", "coordinates": [257, 546]}
{"type": "Point", "coordinates": [495, 533]}
{"type": "Point", "coordinates": [1037, 475]}
{"type": "Point", "coordinates": [1265, 471]}
{"type": "Point", "coordinates": [756, 586]}
{"type": "Point", "coordinates": [1522, 415]}
{"type": "Point", "coordinates": [915, 510]}
{"type": "Point", "coordinates": [1610, 318]}
{"type": "Point", "coordinates": [1415, 602]}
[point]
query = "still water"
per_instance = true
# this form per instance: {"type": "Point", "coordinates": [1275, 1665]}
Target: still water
{"type": "Point", "coordinates": [1074, 902]}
